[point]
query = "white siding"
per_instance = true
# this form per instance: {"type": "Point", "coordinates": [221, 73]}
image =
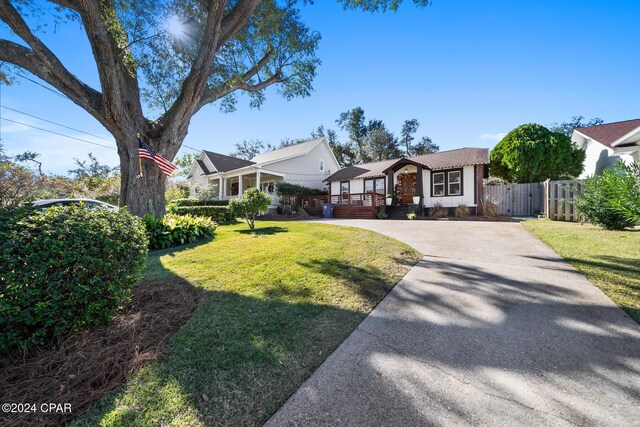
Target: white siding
{"type": "Point", "coordinates": [305, 170]}
{"type": "Point", "coordinates": [598, 157]}
{"type": "Point", "coordinates": [468, 191]}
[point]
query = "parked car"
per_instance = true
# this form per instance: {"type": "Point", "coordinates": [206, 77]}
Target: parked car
{"type": "Point", "coordinates": [90, 203]}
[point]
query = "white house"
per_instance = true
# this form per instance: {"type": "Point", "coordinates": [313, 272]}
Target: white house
{"type": "Point", "coordinates": [448, 178]}
{"type": "Point", "coordinates": [606, 144]}
{"type": "Point", "coordinates": [307, 163]}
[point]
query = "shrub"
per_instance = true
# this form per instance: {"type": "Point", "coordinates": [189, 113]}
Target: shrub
{"type": "Point", "coordinates": [411, 216]}
{"type": "Point", "coordinates": [438, 211]}
{"type": "Point", "coordinates": [612, 199]}
{"type": "Point", "coordinates": [216, 213]}
{"type": "Point", "coordinates": [174, 230]}
{"type": "Point", "coordinates": [253, 202]}
{"type": "Point", "coordinates": [288, 189]}
{"type": "Point", "coordinates": [489, 207]}
{"type": "Point", "coordinates": [64, 268]}
{"type": "Point", "coordinates": [462, 211]}
{"type": "Point", "coordinates": [382, 215]}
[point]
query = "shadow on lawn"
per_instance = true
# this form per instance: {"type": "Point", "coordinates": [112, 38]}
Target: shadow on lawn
{"type": "Point", "coordinates": [264, 231]}
{"type": "Point", "coordinates": [239, 358]}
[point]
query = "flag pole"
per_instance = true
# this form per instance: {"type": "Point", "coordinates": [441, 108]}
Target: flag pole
{"type": "Point", "coordinates": [139, 160]}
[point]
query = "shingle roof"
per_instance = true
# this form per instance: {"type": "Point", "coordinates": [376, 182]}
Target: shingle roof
{"type": "Point", "coordinates": [290, 151]}
{"type": "Point", "coordinates": [225, 163]}
{"type": "Point", "coordinates": [203, 166]}
{"type": "Point", "coordinates": [442, 160]}
{"type": "Point", "coordinates": [609, 133]}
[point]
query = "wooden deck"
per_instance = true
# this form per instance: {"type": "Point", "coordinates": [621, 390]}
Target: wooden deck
{"type": "Point", "coordinates": [356, 205]}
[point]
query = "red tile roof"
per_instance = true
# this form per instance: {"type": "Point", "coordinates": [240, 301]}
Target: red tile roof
{"type": "Point", "coordinates": [609, 133]}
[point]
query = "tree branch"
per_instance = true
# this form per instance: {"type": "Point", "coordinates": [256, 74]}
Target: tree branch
{"type": "Point", "coordinates": [69, 4]}
{"type": "Point", "coordinates": [213, 94]}
{"type": "Point", "coordinates": [237, 18]}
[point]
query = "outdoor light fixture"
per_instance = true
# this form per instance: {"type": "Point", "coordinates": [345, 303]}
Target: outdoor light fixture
{"type": "Point", "coordinates": [406, 170]}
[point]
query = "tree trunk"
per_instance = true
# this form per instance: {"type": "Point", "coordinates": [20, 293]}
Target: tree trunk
{"type": "Point", "coordinates": [145, 194]}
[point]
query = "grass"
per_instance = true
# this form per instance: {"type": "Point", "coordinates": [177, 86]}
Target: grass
{"type": "Point", "coordinates": [276, 303]}
{"type": "Point", "coordinates": [609, 259]}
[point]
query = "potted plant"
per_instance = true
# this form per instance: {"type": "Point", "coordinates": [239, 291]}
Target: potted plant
{"type": "Point", "coordinates": [388, 199]}
{"type": "Point", "coordinates": [416, 198]}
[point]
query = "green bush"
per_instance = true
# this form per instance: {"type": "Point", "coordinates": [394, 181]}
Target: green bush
{"type": "Point", "coordinates": [198, 202]}
{"type": "Point", "coordinates": [288, 189]}
{"type": "Point", "coordinates": [64, 268]}
{"type": "Point", "coordinates": [611, 200]}
{"type": "Point", "coordinates": [253, 202]}
{"type": "Point", "coordinates": [216, 213]}
{"type": "Point", "coordinates": [175, 230]}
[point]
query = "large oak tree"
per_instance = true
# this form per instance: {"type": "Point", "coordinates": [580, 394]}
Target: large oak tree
{"type": "Point", "coordinates": [169, 58]}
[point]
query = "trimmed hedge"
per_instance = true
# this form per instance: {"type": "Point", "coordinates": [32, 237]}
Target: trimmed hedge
{"type": "Point", "coordinates": [198, 202]}
{"type": "Point", "coordinates": [64, 268]}
{"type": "Point", "coordinates": [289, 189]}
{"type": "Point", "coordinates": [216, 213]}
{"type": "Point", "coordinates": [174, 230]}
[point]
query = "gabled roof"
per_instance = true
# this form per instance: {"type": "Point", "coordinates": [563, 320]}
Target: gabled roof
{"type": "Point", "coordinates": [287, 152]}
{"type": "Point", "coordinates": [225, 163]}
{"type": "Point", "coordinates": [443, 160]}
{"type": "Point", "coordinates": [607, 134]}
{"type": "Point", "coordinates": [204, 168]}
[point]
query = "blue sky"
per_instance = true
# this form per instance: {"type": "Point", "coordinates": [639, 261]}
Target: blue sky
{"type": "Point", "coordinates": [469, 71]}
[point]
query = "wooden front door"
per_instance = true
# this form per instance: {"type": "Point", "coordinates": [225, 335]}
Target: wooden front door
{"type": "Point", "coordinates": [408, 186]}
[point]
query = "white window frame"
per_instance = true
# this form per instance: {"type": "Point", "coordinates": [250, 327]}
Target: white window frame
{"type": "Point", "coordinates": [321, 165]}
{"type": "Point", "coordinates": [443, 184]}
{"type": "Point", "coordinates": [450, 182]}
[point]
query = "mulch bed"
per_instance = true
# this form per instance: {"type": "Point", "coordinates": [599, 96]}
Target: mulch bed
{"type": "Point", "coordinates": [84, 366]}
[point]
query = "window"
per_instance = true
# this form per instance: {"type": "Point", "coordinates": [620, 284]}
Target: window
{"type": "Point", "coordinates": [438, 184]}
{"type": "Point", "coordinates": [374, 185]}
{"type": "Point", "coordinates": [454, 180]}
{"type": "Point", "coordinates": [321, 165]}
{"type": "Point", "coordinates": [344, 187]}
{"type": "Point", "coordinates": [446, 183]}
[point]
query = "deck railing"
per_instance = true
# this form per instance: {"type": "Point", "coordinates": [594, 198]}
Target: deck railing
{"type": "Point", "coordinates": [339, 200]}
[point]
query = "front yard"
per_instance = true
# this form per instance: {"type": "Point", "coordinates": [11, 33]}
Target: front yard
{"type": "Point", "coordinates": [275, 304]}
{"type": "Point", "coordinates": [609, 259]}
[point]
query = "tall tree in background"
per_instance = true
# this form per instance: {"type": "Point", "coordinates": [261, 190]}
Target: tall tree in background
{"type": "Point", "coordinates": [381, 144]}
{"type": "Point", "coordinates": [424, 146]}
{"type": "Point", "coordinates": [533, 153]}
{"type": "Point", "coordinates": [248, 149]}
{"type": "Point", "coordinates": [575, 122]}
{"type": "Point", "coordinates": [353, 122]}
{"type": "Point", "coordinates": [173, 57]}
{"type": "Point", "coordinates": [409, 128]}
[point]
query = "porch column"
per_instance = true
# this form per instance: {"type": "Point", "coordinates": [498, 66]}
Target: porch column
{"type": "Point", "coordinates": [220, 188]}
{"type": "Point", "coordinates": [420, 188]}
{"type": "Point", "coordinates": [240, 186]}
{"type": "Point", "coordinates": [258, 179]}
{"type": "Point", "coordinates": [390, 189]}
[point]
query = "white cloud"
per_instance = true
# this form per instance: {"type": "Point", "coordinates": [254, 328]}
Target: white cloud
{"type": "Point", "coordinates": [493, 136]}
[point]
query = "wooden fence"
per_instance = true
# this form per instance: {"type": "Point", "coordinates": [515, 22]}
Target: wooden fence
{"type": "Point", "coordinates": [517, 199]}
{"type": "Point", "coordinates": [551, 197]}
{"type": "Point", "coordinates": [558, 198]}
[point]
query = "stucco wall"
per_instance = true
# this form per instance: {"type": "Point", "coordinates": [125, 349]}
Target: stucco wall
{"type": "Point", "coordinates": [598, 158]}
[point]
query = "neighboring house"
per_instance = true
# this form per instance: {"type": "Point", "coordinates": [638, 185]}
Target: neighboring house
{"type": "Point", "coordinates": [307, 163]}
{"type": "Point", "coordinates": [448, 178]}
{"type": "Point", "coordinates": [606, 144]}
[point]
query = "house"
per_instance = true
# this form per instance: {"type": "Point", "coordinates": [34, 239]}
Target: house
{"type": "Point", "coordinates": [448, 178]}
{"type": "Point", "coordinates": [608, 143]}
{"type": "Point", "coordinates": [307, 163]}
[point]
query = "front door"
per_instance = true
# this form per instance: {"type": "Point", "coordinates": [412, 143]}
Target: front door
{"type": "Point", "coordinates": [408, 186]}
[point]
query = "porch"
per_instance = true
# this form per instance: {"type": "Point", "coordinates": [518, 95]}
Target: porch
{"type": "Point", "coordinates": [234, 186]}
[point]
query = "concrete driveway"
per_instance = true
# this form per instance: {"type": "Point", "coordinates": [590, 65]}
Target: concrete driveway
{"type": "Point", "coordinates": [490, 328]}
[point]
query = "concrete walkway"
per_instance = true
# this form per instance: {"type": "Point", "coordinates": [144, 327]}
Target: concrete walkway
{"type": "Point", "coordinates": [490, 328]}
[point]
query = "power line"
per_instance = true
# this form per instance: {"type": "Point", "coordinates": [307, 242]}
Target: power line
{"type": "Point", "coordinates": [60, 94]}
{"type": "Point", "coordinates": [54, 123]}
{"type": "Point", "coordinates": [59, 134]}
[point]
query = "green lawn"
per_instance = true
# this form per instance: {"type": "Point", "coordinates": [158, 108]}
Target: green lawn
{"type": "Point", "coordinates": [609, 259]}
{"type": "Point", "coordinates": [277, 302]}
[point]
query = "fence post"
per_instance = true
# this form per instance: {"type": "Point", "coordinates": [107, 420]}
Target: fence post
{"type": "Point", "coordinates": [546, 198]}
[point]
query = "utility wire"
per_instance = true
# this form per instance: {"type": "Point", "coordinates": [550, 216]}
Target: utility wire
{"type": "Point", "coordinates": [59, 134]}
{"type": "Point", "coordinates": [54, 123]}
{"type": "Point", "coordinates": [60, 94]}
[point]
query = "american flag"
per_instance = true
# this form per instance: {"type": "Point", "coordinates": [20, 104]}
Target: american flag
{"type": "Point", "coordinates": [145, 151]}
